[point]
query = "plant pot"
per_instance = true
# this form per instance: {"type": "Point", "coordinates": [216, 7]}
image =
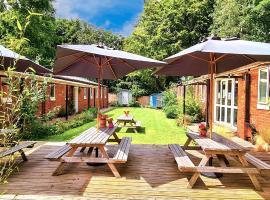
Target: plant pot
{"type": "Point", "coordinates": [102, 123]}
{"type": "Point", "coordinates": [110, 123]}
{"type": "Point", "coordinates": [203, 133]}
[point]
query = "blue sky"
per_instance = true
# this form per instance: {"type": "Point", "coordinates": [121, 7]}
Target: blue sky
{"type": "Point", "coordinates": [118, 16]}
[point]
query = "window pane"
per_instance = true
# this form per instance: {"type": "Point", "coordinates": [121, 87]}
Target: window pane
{"type": "Point", "coordinates": [263, 92]}
{"type": "Point", "coordinates": [228, 115]}
{"type": "Point", "coordinates": [236, 93]}
{"type": "Point", "coordinates": [229, 94]}
{"type": "Point", "coordinates": [235, 117]}
{"type": "Point", "coordinates": [223, 91]}
{"type": "Point", "coordinates": [217, 113]}
{"type": "Point", "coordinates": [222, 114]}
{"type": "Point", "coordinates": [263, 74]}
{"type": "Point", "coordinates": [52, 92]}
{"type": "Point", "coordinates": [218, 93]}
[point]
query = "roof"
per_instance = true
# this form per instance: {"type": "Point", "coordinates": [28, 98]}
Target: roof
{"type": "Point", "coordinates": [76, 78]}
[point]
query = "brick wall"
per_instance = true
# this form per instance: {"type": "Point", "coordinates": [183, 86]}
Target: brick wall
{"type": "Point", "coordinates": [258, 117]}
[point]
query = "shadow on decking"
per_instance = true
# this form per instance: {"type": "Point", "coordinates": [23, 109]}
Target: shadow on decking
{"type": "Point", "coordinates": [150, 170]}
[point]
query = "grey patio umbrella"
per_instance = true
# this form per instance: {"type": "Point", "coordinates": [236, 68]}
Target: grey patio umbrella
{"type": "Point", "coordinates": [9, 58]}
{"type": "Point", "coordinates": [214, 56]}
{"type": "Point", "coordinates": [98, 62]}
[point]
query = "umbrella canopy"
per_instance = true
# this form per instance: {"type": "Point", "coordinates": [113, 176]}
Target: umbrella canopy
{"type": "Point", "coordinates": [9, 58]}
{"type": "Point", "coordinates": [98, 62]}
{"type": "Point", "coordinates": [214, 56]}
{"type": "Point", "coordinates": [87, 60]}
{"type": "Point", "coordinates": [227, 55]}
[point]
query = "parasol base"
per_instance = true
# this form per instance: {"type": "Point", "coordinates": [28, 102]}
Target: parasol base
{"type": "Point", "coordinates": [96, 164]}
{"type": "Point", "coordinates": [212, 175]}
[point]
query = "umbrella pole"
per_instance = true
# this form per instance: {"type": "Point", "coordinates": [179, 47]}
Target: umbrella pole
{"type": "Point", "coordinates": [99, 95]}
{"type": "Point", "coordinates": [211, 107]}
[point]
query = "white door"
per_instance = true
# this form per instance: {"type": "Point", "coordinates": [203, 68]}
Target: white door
{"type": "Point", "coordinates": [125, 98]}
{"type": "Point", "coordinates": [226, 101]}
{"type": "Point", "coordinates": [76, 99]}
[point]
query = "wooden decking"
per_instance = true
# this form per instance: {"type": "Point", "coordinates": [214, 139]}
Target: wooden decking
{"type": "Point", "coordinates": [150, 173]}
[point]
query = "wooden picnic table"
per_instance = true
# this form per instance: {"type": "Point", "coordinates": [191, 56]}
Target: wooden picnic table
{"type": "Point", "coordinates": [92, 138]}
{"type": "Point", "coordinates": [221, 147]}
{"type": "Point", "coordinates": [128, 119]}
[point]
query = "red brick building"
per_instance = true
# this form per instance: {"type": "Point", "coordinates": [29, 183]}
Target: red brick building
{"type": "Point", "coordinates": [66, 92]}
{"type": "Point", "coordinates": [241, 98]}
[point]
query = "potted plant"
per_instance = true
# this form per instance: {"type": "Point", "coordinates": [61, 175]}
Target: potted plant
{"type": "Point", "coordinates": [202, 130]}
{"type": "Point", "coordinates": [110, 122]}
{"type": "Point", "coordinates": [126, 112]}
{"type": "Point", "coordinates": [102, 120]}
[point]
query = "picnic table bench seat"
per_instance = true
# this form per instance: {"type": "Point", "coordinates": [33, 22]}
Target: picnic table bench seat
{"type": "Point", "coordinates": [18, 148]}
{"type": "Point", "coordinates": [56, 155]}
{"type": "Point", "coordinates": [261, 165]}
{"type": "Point", "coordinates": [186, 165]}
{"type": "Point", "coordinates": [121, 154]}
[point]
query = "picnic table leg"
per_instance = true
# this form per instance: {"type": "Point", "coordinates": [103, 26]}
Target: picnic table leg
{"type": "Point", "coordinates": [196, 175]}
{"type": "Point", "coordinates": [187, 142]}
{"type": "Point", "coordinates": [23, 155]}
{"type": "Point", "coordinates": [252, 177]}
{"type": "Point", "coordinates": [61, 166]}
{"type": "Point", "coordinates": [116, 138]}
{"type": "Point", "coordinates": [111, 165]}
{"type": "Point", "coordinates": [82, 149]}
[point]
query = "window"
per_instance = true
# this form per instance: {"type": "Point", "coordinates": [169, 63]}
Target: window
{"type": "Point", "coordinates": [52, 92]}
{"type": "Point", "coordinates": [263, 86]}
{"type": "Point", "coordinates": [84, 93]}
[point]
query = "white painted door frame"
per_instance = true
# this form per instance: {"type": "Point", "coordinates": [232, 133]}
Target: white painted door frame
{"type": "Point", "coordinates": [76, 99]}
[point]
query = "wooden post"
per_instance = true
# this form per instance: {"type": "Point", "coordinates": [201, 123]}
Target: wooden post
{"type": "Point", "coordinates": [66, 102]}
{"type": "Point", "coordinates": [184, 103]}
{"type": "Point", "coordinates": [88, 96]}
{"type": "Point", "coordinates": [207, 102]}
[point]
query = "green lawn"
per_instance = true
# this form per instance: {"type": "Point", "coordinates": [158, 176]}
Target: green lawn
{"type": "Point", "coordinates": [156, 128]}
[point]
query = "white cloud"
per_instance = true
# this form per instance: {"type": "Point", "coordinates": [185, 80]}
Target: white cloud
{"type": "Point", "coordinates": [73, 9]}
{"type": "Point", "coordinates": [128, 27]}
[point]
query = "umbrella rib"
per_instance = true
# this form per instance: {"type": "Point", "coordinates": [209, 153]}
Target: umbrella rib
{"type": "Point", "coordinates": [110, 65]}
{"type": "Point", "coordinates": [248, 57]}
{"type": "Point", "coordinates": [221, 57]}
{"type": "Point", "coordinates": [73, 62]}
{"type": "Point", "coordinates": [127, 64]}
{"type": "Point", "coordinates": [198, 58]}
{"type": "Point", "coordinates": [107, 60]}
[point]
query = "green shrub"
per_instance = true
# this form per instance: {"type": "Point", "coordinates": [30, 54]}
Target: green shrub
{"type": "Point", "coordinates": [134, 103]}
{"type": "Point", "coordinates": [171, 111]}
{"type": "Point", "coordinates": [40, 129]}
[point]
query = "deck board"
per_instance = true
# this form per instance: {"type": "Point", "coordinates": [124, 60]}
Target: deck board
{"type": "Point", "coordinates": [150, 173]}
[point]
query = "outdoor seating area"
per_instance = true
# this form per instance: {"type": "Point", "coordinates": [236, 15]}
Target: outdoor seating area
{"type": "Point", "coordinates": [134, 100]}
{"type": "Point", "coordinates": [150, 172]}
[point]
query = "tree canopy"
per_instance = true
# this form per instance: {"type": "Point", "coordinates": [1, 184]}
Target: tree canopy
{"type": "Point", "coordinates": [164, 28]}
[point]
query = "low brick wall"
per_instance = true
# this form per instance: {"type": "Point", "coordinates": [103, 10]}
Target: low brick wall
{"type": "Point", "coordinates": [144, 100]}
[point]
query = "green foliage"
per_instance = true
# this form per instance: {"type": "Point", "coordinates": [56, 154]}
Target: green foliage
{"type": "Point", "coordinates": [40, 129]}
{"type": "Point", "coordinates": [194, 112]}
{"type": "Point", "coordinates": [170, 104]}
{"type": "Point", "coordinates": [244, 19]}
{"type": "Point", "coordinates": [134, 103]}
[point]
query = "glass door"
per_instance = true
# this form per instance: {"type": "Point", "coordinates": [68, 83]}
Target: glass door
{"type": "Point", "coordinates": [226, 101]}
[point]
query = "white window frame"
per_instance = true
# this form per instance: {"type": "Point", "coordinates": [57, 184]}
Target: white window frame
{"type": "Point", "coordinates": [52, 98]}
{"type": "Point", "coordinates": [226, 106]}
{"type": "Point", "coordinates": [85, 93]}
{"type": "Point", "coordinates": [264, 105]}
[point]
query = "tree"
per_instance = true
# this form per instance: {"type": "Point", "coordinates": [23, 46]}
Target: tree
{"type": "Point", "coordinates": [80, 32]}
{"type": "Point", "coordinates": [40, 31]}
{"type": "Point", "coordinates": [164, 28]}
{"type": "Point", "coordinates": [243, 19]}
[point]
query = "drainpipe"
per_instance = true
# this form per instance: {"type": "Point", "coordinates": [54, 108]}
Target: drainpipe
{"type": "Point", "coordinates": [66, 102]}
{"type": "Point", "coordinates": [247, 104]}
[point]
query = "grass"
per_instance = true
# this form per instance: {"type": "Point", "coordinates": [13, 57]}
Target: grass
{"type": "Point", "coordinates": [156, 128]}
